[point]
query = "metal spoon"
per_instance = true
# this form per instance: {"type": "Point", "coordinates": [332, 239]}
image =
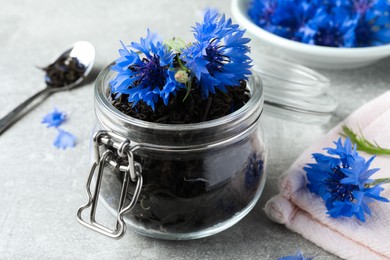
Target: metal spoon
{"type": "Point", "coordinates": [82, 55]}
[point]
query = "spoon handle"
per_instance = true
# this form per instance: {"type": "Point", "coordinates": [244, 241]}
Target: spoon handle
{"type": "Point", "coordinates": [16, 113]}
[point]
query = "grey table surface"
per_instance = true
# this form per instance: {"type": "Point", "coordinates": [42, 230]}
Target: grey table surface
{"type": "Point", "coordinates": [42, 187]}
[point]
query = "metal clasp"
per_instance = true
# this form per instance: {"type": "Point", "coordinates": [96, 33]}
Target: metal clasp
{"type": "Point", "coordinates": [132, 171]}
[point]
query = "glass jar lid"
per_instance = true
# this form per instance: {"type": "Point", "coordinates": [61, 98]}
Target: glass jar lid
{"type": "Point", "coordinates": [293, 91]}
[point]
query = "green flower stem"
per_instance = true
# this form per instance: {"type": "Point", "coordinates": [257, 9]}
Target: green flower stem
{"type": "Point", "coordinates": [189, 88]}
{"type": "Point", "coordinates": [181, 64]}
{"type": "Point", "coordinates": [379, 181]}
{"type": "Point", "coordinates": [206, 111]}
{"type": "Point", "coordinates": [362, 144]}
{"type": "Point", "coordinates": [189, 83]}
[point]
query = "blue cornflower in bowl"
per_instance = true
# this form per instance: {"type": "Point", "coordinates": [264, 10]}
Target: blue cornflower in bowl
{"type": "Point", "coordinates": [332, 34]}
{"type": "Point", "coordinates": [332, 23]}
{"type": "Point", "coordinates": [282, 18]}
{"type": "Point", "coordinates": [373, 28]}
{"type": "Point", "coordinates": [343, 181]}
{"type": "Point", "coordinates": [144, 77]}
{"type": "Point", "coordinates": [335, 28]}
{"type": "Point", "coordinates": [218, 58]}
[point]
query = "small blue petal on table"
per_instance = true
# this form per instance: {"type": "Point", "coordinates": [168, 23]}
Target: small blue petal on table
{"type": "Point", "coordinates": [64, 140]}
{"type": "Point", "coordinates": [298, 256]}
{"type": "Point", "coordinates": [54, 119]}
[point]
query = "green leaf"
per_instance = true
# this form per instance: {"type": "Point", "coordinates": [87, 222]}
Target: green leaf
{"type": "Point", "coordinates": [362, 144]}
{"type": "Point", "coordinates": [188, 86]}
{"type": "Point", "coordinates": [176, 44]}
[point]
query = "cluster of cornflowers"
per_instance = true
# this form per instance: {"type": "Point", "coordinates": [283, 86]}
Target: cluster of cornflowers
{"type": "Point", "coordinates": [151, 70]}
{"type": "Point", "coordinates": [333, 23]}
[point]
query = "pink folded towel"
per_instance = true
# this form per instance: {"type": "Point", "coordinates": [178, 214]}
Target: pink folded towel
{"type": "Point", "coordinates": [305, 212]}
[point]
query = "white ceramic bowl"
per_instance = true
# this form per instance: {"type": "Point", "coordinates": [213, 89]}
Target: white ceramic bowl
{"type": "Point", "coordinates": [309, 55]}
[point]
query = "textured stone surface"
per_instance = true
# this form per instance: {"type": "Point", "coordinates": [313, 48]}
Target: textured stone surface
{"type": "Point", "coordinates": [42, 187]}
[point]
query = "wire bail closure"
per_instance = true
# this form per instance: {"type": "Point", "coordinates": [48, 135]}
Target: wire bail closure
{"type": "Point", "coordinates": [132, 172]}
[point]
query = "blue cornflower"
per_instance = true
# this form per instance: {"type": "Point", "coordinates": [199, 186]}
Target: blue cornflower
{"type": "Point", "coordinates": [343, 182]}
{"type": "Point", "coordinates": [281, 17]}
{"type": "Point", "coordinates": [298, 256]}
{"type": "Point", "coordinates": [261, 12]}
{"type": "Point", "coordinates": [55, 118]}
{"type": "Point", "coordinates": [218, 58]}
{"type": "Point", "coordinates": [254, 170]}
{"type": "Point", "coordinates": [333, 23]}
{"type": "Point", "coordinates": [64, 139]}
{"type": "Point", "coordinates": [333, 28]}
{"type": "Point", "coordinates": [147, 78]}
{"type": "Point", "coordinates": [373, 28]}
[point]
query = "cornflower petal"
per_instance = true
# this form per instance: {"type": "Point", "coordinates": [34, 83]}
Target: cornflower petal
{"type": "Point", "coordinates": [54, 119]}
{"type": "Point", "coordinates": [64, 140]}
{"type": "Point", "coordinates": [298, 256]}
{"type": "Point", "coordinates": [374, 193]}
{"type": "Point", "coordinates": [171, 86]}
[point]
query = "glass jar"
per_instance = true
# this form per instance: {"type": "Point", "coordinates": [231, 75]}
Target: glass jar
{"type": "Point", "coordinates": [175, 181]}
